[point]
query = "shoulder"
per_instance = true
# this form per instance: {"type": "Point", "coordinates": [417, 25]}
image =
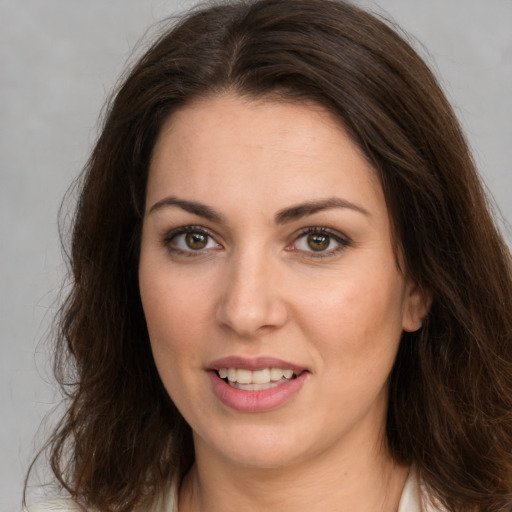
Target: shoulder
{"type": "Point", "coordinates": [55, 505]}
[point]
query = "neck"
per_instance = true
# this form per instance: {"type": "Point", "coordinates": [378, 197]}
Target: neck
{"type": "Point", "coordinates": [352, 481]}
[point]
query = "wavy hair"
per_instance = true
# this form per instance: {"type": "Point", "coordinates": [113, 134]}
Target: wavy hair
{"type": "Point", "coordinates": [121, 440]}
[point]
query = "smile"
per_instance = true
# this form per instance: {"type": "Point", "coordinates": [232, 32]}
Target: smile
{"type": "Point", "coordinates": [255, 385]}
{"type": "Point", "coordinates": [257, 380]}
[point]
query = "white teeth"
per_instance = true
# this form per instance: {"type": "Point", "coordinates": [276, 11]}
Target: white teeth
{"type": "Point", "coordinates": [288, 374]}
{"type": "Point", "coordinates": [276, 374]}
{"type": "Point", "coordinates": [232, 374]}
{"type": "Point", "coordinates": [263, 376]}
{"type": "Point", "coordinates": [243, 376]}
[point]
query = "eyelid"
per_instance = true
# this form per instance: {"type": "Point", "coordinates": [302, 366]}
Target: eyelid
{"type": "Point", "coordinates": [171, 235]}
{"type": "Point", "coordinates": [342, 240]}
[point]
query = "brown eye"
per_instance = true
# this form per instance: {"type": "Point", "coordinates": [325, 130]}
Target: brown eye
{"type": "Point", "coordinates": [196, 241]}
{"type": "Point", "coordinates": [318, 241]}
{"type": "Point", "coordinates": [190, 239]}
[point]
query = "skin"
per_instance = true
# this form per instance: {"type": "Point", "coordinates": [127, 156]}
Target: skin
{"type": "Point", "coordinates": [257, 288]}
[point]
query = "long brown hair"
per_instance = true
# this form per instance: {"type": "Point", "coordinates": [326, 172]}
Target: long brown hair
{"type": "Point", "coordinates": [122, 440]}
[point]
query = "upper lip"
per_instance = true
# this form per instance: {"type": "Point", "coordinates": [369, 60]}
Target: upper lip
{"type": "Point", "coordinates": [253, 363]}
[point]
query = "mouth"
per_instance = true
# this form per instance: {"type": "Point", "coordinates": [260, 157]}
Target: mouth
{"type": "Point", "coordinates": [253, 385]}
{"type": "Point", "coordinates": [257, 380]}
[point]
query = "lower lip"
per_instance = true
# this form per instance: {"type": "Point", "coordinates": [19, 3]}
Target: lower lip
{"type": "Point", "coordinates": [255, 401]}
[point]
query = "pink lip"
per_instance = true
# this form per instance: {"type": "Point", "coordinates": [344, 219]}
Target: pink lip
{"type": "Point", "coordinates": [253, 364]}
{"type": "Point", "coordinates": [255, 401]}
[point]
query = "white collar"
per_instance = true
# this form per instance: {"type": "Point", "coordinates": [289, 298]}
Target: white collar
{"type": "Point", "coordinates": [415, 496]}
{"type": "Point", "coordinates": [410, 500]}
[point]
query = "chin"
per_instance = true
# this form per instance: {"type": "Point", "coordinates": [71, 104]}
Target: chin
{"type": "Point", "coordinates": [264, 458]}
{"type": "Point", "coordinates": [260, 447]}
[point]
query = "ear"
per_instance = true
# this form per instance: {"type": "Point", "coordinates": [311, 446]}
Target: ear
{"type": "Point", "coordinates": [415, 306]}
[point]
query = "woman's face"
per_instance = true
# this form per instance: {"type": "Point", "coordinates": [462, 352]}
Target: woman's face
{"type": "Point", "coordinates": [266, 252]}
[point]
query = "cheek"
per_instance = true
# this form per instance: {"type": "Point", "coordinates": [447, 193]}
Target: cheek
{"type": "Point", "coordinates": [171, 318]}
{"type": "Point", "coordinates": [357, 330]}
{"type": "Point", "coordinates": [171, 313]}
{"type": "Point", "coordinates": [356, 319]}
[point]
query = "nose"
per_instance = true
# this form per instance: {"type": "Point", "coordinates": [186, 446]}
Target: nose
{"type": "Point", "coordinates": [252, 301]}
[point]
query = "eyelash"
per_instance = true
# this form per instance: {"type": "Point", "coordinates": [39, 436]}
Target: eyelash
{"type": "Point", "coordinates": [191, 253]}
{"type": "Point", "coordinates": [342, 241]}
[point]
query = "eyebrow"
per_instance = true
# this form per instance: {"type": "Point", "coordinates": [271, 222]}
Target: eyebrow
{"type": "Point", "coordinates": [282, 217]}
{"type": "Point", "coordinates": [311, 207]}
{"type": "Point", "coordinates": [194, 207]}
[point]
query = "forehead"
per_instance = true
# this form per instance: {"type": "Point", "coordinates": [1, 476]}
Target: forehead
{"type": "Point", "coordinates": [231, 149]}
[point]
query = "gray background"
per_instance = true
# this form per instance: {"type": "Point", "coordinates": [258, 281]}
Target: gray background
{"type": "Point", "coordinates": [58, 61]}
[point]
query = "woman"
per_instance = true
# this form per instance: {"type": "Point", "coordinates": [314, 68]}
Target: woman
{"type": "Point", "coordinates": [288, 288]}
